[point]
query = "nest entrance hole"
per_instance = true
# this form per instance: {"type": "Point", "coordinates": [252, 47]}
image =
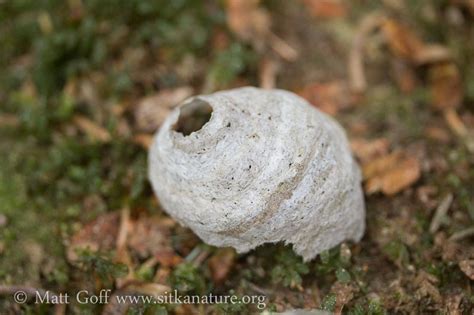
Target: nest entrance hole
{"type": "Point", "coordinates": [193, 116]}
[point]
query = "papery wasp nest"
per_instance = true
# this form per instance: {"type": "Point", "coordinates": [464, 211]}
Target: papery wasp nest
{"type": "Point", "coordinates": [248, 166]}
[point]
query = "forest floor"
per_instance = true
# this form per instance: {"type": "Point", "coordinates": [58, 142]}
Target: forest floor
{"type": "Point", "coordinates": [85, 83]}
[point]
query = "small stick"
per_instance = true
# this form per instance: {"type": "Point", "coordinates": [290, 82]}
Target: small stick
{"type": "Point", "coordinates": [440, 213]}
{"type": "Point", "coordinates": [462, 234]}
{"type": "Point", "coordinates": [357, 80]}
{"type": "Point", "coordinates": [282, 48]}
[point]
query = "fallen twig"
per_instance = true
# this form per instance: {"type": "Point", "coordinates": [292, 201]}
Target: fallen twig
{"type": "Point", "coordinates": [357, 80]}
{"type": "Point", "coordinates": [92, 129]}
{"type": "Point", "coordinates": [282, 48]}
{"type": "Point", "coordinates": [268, 72]}
{"type": "Point", "coordinates": [440, 213]}
{"type": "Point", "coordinates": [459, 129]}
{"type": "Point", "coordinates": [462, 234]}
{"type": "Point", "coordinates": [121, 245]}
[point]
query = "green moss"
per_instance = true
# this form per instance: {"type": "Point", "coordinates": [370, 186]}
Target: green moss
{"type": "Point", "coordinates": [397, 252]}
{"type": "Point", "coordinates": [289, 268]}
{"type": "Point", "coordinates": [230, 63]}
{"type": "Point", "coordinates": [100, 265]}
{"type": "Point", "coordinates": [187, 278]}
{"type": "Point", "coordinates": [329, 302]}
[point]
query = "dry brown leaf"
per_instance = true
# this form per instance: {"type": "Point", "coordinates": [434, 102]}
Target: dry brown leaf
{"type": "Point", "coordinates": [391, 174]}
{"type": "Point", "coordinates": [149, 236]}
{"type": "Point", "coordinates": [99, 234]}
{"type": "Point", "coordinates": [330, 97]}
{"type": "Point", "coordinates": [366, 150]}
{"type": "Point", "coordinates": [143, 139]}
{"type": "Point", "coordinates": [344, 294]}
{"type": "Point", "coordinates": [445, 86]}
{"type": "Point", "coordinates": [381, 164]}
{"type": "Point", "coordinates": [252, 23]}
{"type": "Point", "coordinates": [405, 44]}
{"type": "Point", "coordinates": [91, 129]}
{"type": "Point", "coordinates": [152, 110]}
{"type": "Point", "coordinates": [248, 20]}
{"type": "Point", "coordinates": [221, 264]}
{"type": "Point", "coordinates": [168, 258]}
{"type": "Point", "coordinates": [326, 8]}
{"type": "Point", "coordinates": [467, 267]}
{"type": "Point", "coordinates": [144, 237]}
{"type": "Point", "coordinates": [402, 42]}
{"type": "Point", "coordinates": [405, 174]}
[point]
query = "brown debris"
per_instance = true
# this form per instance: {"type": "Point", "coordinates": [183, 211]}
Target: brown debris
{"type": "Point", "coordinates": [453, 304]}
{"type": "Point", "coordinates": [326, 8]}
{"type": "Point", "coordinates": [437, 134]}
{"type": "Point", "coordinates": [357, 80]}
{"type": "Point", "coordinates": [330, 97]}
{"type": "Point", "coordinates": [144, 237]}
{"type": "Point", "coordinates": [152, 110]}
{"type": "Point", "coordinates": [367, 150]}
{"type": "Point", "coordinates": [405, 44]}
{"type": "Point", "coordinates": [462, 234]}
{"type": "Point", "coordinates": [441, 212]}
{"type": "Point", "coordinates": [144, 140]}
{"type": "Point", "coordinates": [405, 75]}
{"type": "Point", "coordinates": [9, 120]}
{"type": "Point", "coordinates": [458, 127]}
{"type": "Point", "coordinates": [344, 294]}
{"type": "Point", "coordinates": [122, 254]}
{"type": "Point", "coordinates": [248, 20]}
{"type": "Point", "coordinates": [150, 236]}
{"type": "Point", "coordinates": [92, 129]}
{"type": "Point", "coordinates": [268, 73]}
{"type": "Point", "coordinates": [467, 267]}
{"type": "Point", "coordinates": [455, 123]}
{"type": "Point", "coordinates": [391, 173]}
{"type": "Point", "coordinates": [252, 23]}
{"type": "Point", "coordinates": [427, 286]}
{"type": "Point", "coordinates": [221, 264]}
{"type": "Point", "coordinates": [99, 234]}
{"type": "Point", "coordinates": [445, 86]}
